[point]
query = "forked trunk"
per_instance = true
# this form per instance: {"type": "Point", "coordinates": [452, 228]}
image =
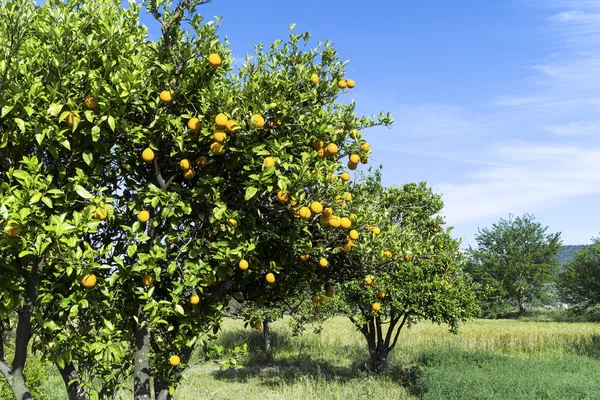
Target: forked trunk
{"type": "Point", "coordinates": [71, 379]}
{"type": "Point", "coordinates": [379, 360]}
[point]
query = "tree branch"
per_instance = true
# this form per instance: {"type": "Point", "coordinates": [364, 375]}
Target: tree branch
{"type": "Point", "coordinates": [406, 314]}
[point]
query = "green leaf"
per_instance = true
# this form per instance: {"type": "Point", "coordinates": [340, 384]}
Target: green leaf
{"type": "Point", "coordinates": [5, 110]}
{"type": "Point", "coordinates": [35, 198]}
{"type": "Point", "coordinates": [131, 249]}
{"type": "Point", "coordinates": [88, 158]}
{"type": "Point", "coordinates": [82, 192]}
{"type": "Point", "coordinates": [250, 192]}
{"type": "Point", "coordinates": [179, 309]}
{"type": "Point", "coordinates": [111, 122]}
{"type": "Point", "coordinates": [20, 124]}
{"type": "Point", "coordinates": [47, 201]}
{"type": "Point", "coordinates": [66, 144]}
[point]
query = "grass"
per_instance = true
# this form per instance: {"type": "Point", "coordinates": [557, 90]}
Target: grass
{"type": "Point", "coordinates": [488, 359]}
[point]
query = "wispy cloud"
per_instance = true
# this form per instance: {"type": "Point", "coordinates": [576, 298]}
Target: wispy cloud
{"type": "Point", "coordinates": [581, 128]}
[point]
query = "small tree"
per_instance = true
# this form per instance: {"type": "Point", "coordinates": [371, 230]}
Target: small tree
{"type": "Point", "coordinates": [579, 283]}
{"type": "Point", "coordinates": [410, 266]}
{"type": "Point", "coordinates": [514, 260]}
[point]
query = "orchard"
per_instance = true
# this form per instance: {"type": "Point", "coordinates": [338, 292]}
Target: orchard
{"type": "Point", "coordinates": [145, 183]}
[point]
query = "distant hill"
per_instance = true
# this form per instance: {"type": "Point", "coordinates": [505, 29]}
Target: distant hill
{"type": "Point", "coordinates": [567, 252]}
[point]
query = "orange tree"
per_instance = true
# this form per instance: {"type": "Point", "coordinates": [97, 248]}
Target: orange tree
{"type": "Point", "coordinates": [411, 266]}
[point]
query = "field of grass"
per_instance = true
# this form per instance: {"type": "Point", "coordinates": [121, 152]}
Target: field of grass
{"type": "Point", "coordinates": [488, 359]}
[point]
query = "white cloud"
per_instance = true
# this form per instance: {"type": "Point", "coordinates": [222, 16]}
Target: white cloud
{"type": "Point", "coordinates": [581, 128]}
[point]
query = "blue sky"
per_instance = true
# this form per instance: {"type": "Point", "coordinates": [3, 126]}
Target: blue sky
{"type": "Point", "coordinates": [497, 103]}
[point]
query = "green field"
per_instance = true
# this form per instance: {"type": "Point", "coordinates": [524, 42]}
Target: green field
{"type": "Point", "coordinates": [488, 359]}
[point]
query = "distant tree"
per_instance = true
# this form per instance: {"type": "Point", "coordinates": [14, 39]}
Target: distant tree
{"type": "Point", "coordinates": [513, 261]}
{"type": "Point", "coordinates": [579, 284]}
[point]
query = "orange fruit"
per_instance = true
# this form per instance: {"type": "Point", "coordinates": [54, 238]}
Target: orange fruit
{"type": "Point", "coordinates": [165, 96]}
{"type": "Point", "coordinates": [304, 256]}
{"type": "Point", "coordinates": [376, 230]}
{"type": "Point", "coordinates": [221, 120]}
{"type": "Point", "coordinates": [315, 298]}
{"type": "Point", "coordinates": [189, 174]}
{"type": "Point", "coordinates": [220, 136]}
{"type": "Point", "coordinates": [329, 292]}
{"type": "Point", "coordinates": [345, 223]}
{"type": "Point", "coordinates": [233, 222]}
{"type": "Point", "coordinates": [318, 309]}
{"type": "Point", "coordinates": [354, 133]}
{"type": "Point", "coordinates": [387, 254]}
{"type": "Point", "coordinates": [90, 102]}
{"type": "Point", "coordinates": [147, 280]}
{"type": "Point", "coordinates": [335, 221]}
{"type": "Point", "coordinates": [328, 212]}
{"type": "Point", "coordinates": [88, 281]}
{"type": "Point", "coordinates": [143, 216]}
{"type": "Point", "coordinates": [100, 213]}
{"type": "Point", "coordinates": [321, 153]}
{"type": "Point", "coordinates": [12, 228]}
{"type": "Point", "coordinates": [216, 148]}
{"type": "Point", "coordinates": [368, 280]}
{"type": "Point", "coordinates": [348, 197]}
{"type": "Point", "coordinates": [355, 158]}
{"type": "Point", "coordinates": [258, 120]}
{"type": "Point", "coordinates": [243, 265]}
{"type": "Point", "coordinates": [232, 126]}
{"type": "Point", "coordinates": [352, 166]}
{"type": "Point", "coordinates": [381, 294]}
{"type": "Point", "coordinates": [345, 176]}
{"type": "Point", "coordinates": [283, 197]}
{"type": "Point", "coordinates": [316, 207]}
{"type": "Point", "coordinates": [332, 148]}
{"type": "Point", "coordinates": [214, 60]}
{"type": "Point", "coordinates": [354, 234]}
{"type": "Point", "coordinates": [174, 360]}
{"type": "Point", "coordinates": [350, 83]}
{"type": "Point", "coordinates": [376, 307]}
{"type": "Point", "coordinates": [347, 248]}
{"type": "Point", "coordinates": [194, 125]}
{"type": "Point", "coordinates": [269, 162]}
{"type": "Point", "coordinates": [322, 301]}
{"type": "Point", "coordinates": [293, 202]}
{"type": "Point", "coordinates": [314, 79]}
{"type": "Point", "coordinates": [72, 117]}
{"type": "Point", "coordinates": [194, 299]}
{"type": "Point", "coordinates": [305, 213]}
{"type": "Point", "coordinates": [258, 325]}
{"type": "Point", "coordinates": [148, 155]}
{"type": "Point", "coordinates": [201, 161]}
{"type": "Point", "coordinates": [318, 144]}
{"type": "Point", "coordinates": [185, 164]}
{"type": "Point", "coordinates": [323, 262]}
{"type": "Point", "coordinates": [353, 217]}
{"type": "Point", "coordinates": [324, 221]}
{"type": "Point", "coordinates": [270, 278]}
{"type": "Point", "coordinates": [365, 147]}
{"type": "Point", "coordinates": [342, 84]}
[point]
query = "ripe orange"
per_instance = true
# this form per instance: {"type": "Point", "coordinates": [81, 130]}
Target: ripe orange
{"type": "Point", "coordinates": [347, 248]}
{"type": "Point", "coordinates": [376, 230]}
{"type": "Point", "coordinates": [329, 292]}
{"type": "Point", "coordinates": [258, 120]}
{"type": "Point", "coordinates": [216, 148]}
{"type": "Point", "coordinates": [324, 221]}
{"type": "Point", "coordinates": [258, 325]}
{"type": "Point", "coordinates": [143, 216]}
{"type": "Point", "coordinates": [214, 60]}
{"type": "Point", "coordinates": [72, 117]}
{"type": "Point", "coordinates": [381, 294]}
{"type": "Point", "coordinates": [315, 298]}
{"type": "Point", "coordinates": [12, 228]}
{"type": "Point", "coordinates": [100, 213]}
{"type": "Point", "coordinates": [328, 212]}
{"type": "Point", "coordinates": [318, 144]}
{"type": "Point", "coordinates": [323, 262]}
{"type": "Point", "coordinates": [387, 254]}
{"type": "Point", "coordinates": [194, 125]}
{"type": "Point", "coordinates": [352, 166]}
{"type": "Point", "coordinates": [316, 207]}
{"type": "Point", "coordinates": [354, 234]}
{"type": "Point", "coordinates": [345, 223]}
{"type": "Point", "coordinates": [269, 162]}
{"type": "Point", "coordinates": [233, 222]}
{"type": "Point", "coordinates": [355, 158]}
{"type": "Point", "coordinates": [185, 164]}
{"type": "Point", "coordinates": [90, 102]}
{"type": "Point", "coordinates": [304, 256]}
{"type": "Point", "coordinates": [283, 197]}
{"type": "Point", "coordinates": [270, 278]}
{"type": "Point", "coordinates": [165, 96]}
{"type": "Point", "coordinates": [368, 280]}
{"type": "Point", "coordinates": [332, 148]}
{"type": "Point", "coordinates": [342, 84]}
{"type": "Point", "coordinates": [221, 120]}
{"type": "Point", "coordinates": [348, 196]}
{"type": "Point", "coordinates": [365, 147]}
{"type": "Point", "coordinates": [201, 161]}
{"type": "Point", "coordinates": [88, 281]}
{"type": "Point", "coordinates": [243, 265]}
{"type": "Point", "coordinates": [354, 133]}
{"type": "Point", "coordinates": [350, 83]}
{"type": "Point", "coordinates": [194, 299]}
{"type": "Point", "coordinates": [294, 202]}
{"type": "Point", "coordinates": [345, 176]}
{"type": "Point", "coordinates": [322, 301]}
{"type": "Point", "coordinates": [147, 280]}
{"type": "Point", "coordinates": [314, 79]}
{"type": "Point", "coordinates": [189, 174]}
{"type": "Point", "coordinates": [220, 136]}
{"type": "Point", "coordinates": [232, 126]}
{"type": "Point", "coordinates": [174, 361]}
{"type": "Point", "coordinates": [148, 155]}
{"type": "Point", "coordinates": [321, 153]}
{"type": "Point", "coordinates": [376, 307]}
{"type": "Point", "coordinates": [318, 309]}
{"type": "Point", "coordinates": [305, 213]}
{"type": "Point", "coordinates": [335, 221]}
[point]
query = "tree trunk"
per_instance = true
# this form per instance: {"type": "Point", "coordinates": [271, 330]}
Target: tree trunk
{"type": "Point", "coordinates": [268, 342]}
{"type": "Point", "coordinates": [161, 390]}
{"type": "Point", "coordinates": [379, 359]}
{"type": "Point", "coordinates": [521, 302]}
{"type": "Point", "coordinates": [141, 359]}
{"type": "Point", "coordinates": [71, 379]}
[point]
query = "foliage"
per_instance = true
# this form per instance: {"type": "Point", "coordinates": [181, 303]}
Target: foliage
{"type": "Point", "coordinates": [567, 252]}
{"type": "Point", "coordinates": [513, 261]}
{"type": "Point", "coordinates": [579, 283]}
